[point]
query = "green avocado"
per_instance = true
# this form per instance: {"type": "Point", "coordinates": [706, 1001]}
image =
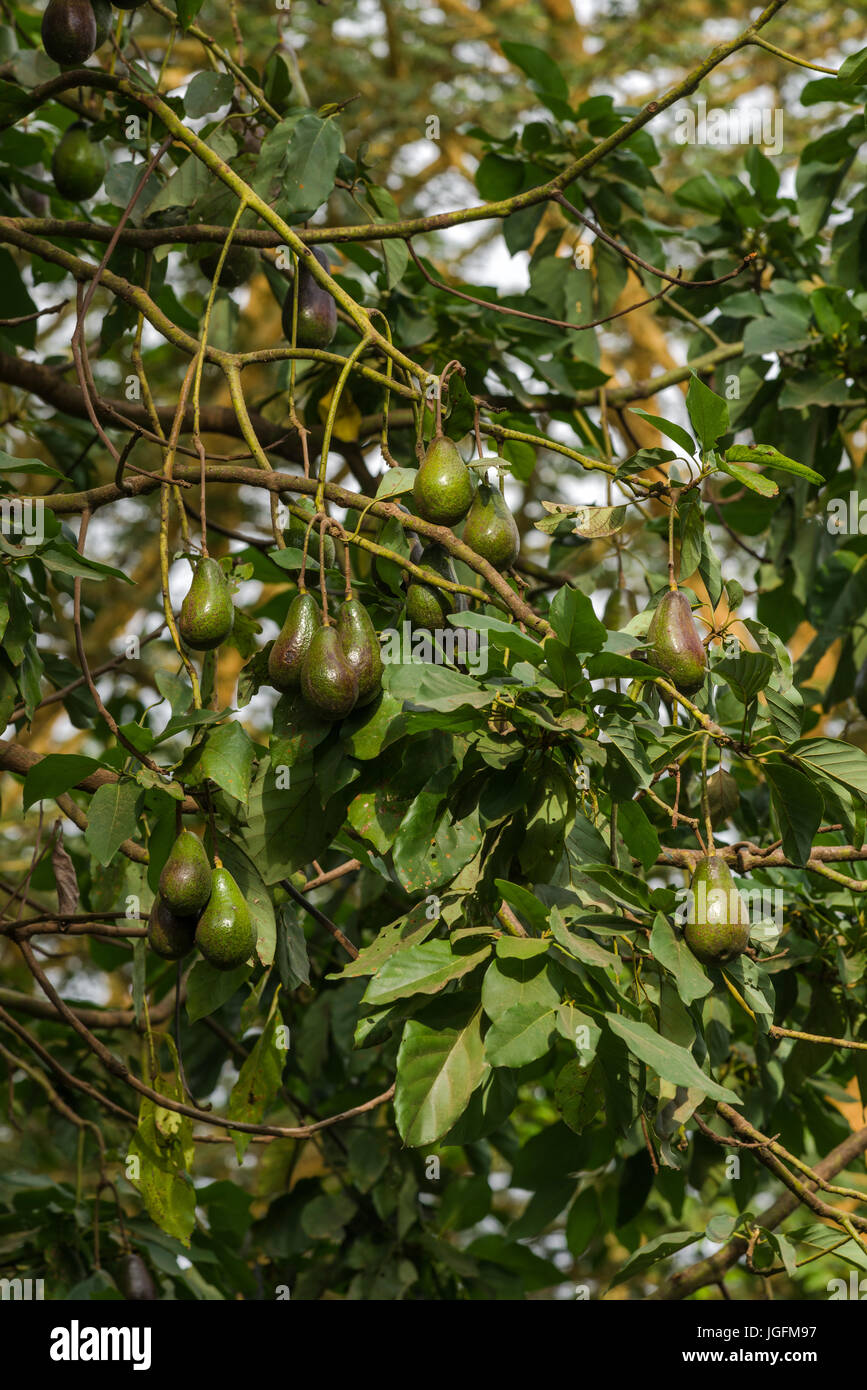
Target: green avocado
{"type": "Point", "coordinates": [674, 644]}
{"type": "Point", "coordinates": [207, 613]}
{"type": "Point", "coordinates": [225, 934]}
{"type": "Point", "coordinates": [329, 684]}
{"type": "Point", "coordinates": [361, 648]}
{"type": "Point", "coordinates": [717, 927]}
{"type": "Point", "coordinates": [291, 645]}
{"type": "Point", "coordinates": [490, 528]}
{"type": "Point", "coordinates": [77, 165]}
{"type": "Point", "coordinates": [169, 935]}
{"type": "Point", "coordinates": [317, 310]}
{"type": "Point", "coordinates": [185, 882]}
{"type": "Point", "coordinates": [443, 489]}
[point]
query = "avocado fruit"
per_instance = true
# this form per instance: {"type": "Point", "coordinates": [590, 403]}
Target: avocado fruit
{"type": "Point", "coordinates": [133, 1278]}
{"type": "Point", "coordinates": [207, 612]}
{"type": "Point", "coordinates": [329, 684]}
{"type": "Point", "coordinates": [717, 929]}
{"type": "Point", "coordinates": [291, 645]}
{"type": "Point", "coordinates": [127, 4]}
{"type": "Point", "coordinates": [317, 310]}
{"type": "Point", "coordinates": [443, 489]}
{"type": "Point", "coordinates": [723, 796]}
{"type": "Point", "coordinates": [185, 882]}
{"type": "Point", "coordinates": [426, 605]}
{"type": "Point", "coordinates": [169, 935]}
{"type": "Point", "coordinates": [674, 645]}
{"type": "Point", "coordinates": [620, 608]}
{"type": "Point", "coordinates": [77, 165]}
{"type": "Point", "coordinates": [361, 648]}
{"type": "Point", "coordinates": [69, 31]}
{"type": "Point", "coordinates": [239, 265]}
{"type": "Point", "coordinates": [225, 934]}
{"type": "Point", "coordinates": [490, 528]}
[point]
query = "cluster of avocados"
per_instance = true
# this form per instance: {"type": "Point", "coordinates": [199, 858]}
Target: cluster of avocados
{"type": "Point", "coordinates": [717, 926]}
{"type": "Point", "coordinates": [199, 906]}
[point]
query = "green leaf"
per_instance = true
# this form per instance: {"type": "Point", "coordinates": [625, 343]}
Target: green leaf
{"type": "Point", "coordinates": [440, 1062]}
{"type": "Point", "coordinates": [708, 412]}
{"type": "Point", "coordinates": [63, 557]}
{"type": "Point", "coordinates": [309, 166]}
{"type": "Point", "coordinates": [55, 774]}
{"type": "Point", "coordinates": [520, 1035]}
{"type": "Point", "coordinates": [113, 818]}
{"type": "Point", "coordinates": [9, 463]}
{"type": "Point", "coordinates": [543, 71]}
{"type": "Point", "coordinates": [227, 759]}
{"type": "Point", "coordinates": [669, 1061]}
{"type": "Point", "coordinates": [652, 1252]}
{"type": "Point", "coordinates": [641, 839]}
{"type": "Point", "coordinates": [799, 807]}
{"type": "Point", "coordinates": [575, 623]}
{"type": "Point", "coordinates": [259, 1078]}
{"type": "Point", "coordinates": [207, 92]}
{"type": "Point", "coordinates": [187, 11]}
{"type": "Point", "coordinates": [842, 762]}
{"type": "Point", "coordinates": [579, 1093]}
{"type": "Point", "coordinates": [756, 482]}
{"type": "Point", "coordinates": [770, 457]}
{"type": "Point", "coordinates": [422, 969]}
{"type": "Point", "coordinates": [674, 432]}
{"type": "Point", "coordinates": [396, 481]}
{"type": "Point", "coordinates": [208, 989]}
{"type": "Point", "coordinates": [163, 1146]}
{"type": "Point", "coordinates": [434, 687]}
{"type": "Point", "coordinates": [747, 674]}
{"type": "Point", "coordinates": [672, 952]}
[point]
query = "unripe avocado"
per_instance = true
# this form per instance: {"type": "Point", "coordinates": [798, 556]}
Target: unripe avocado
{"type": "Point", "coordinates": [317, 311]}
{"type": "Point", "coordinates": [361, 648]}
{"type": "Point", "coordinates": [717, 929]}
{"type": "Point", "coordinates": [207, 612]}
{"type": "Point", "coordinates": [169, 935]}
{"type": "Point", "coordinates": [185, 882]}
{"type": "Point", "coordinates": [443, 489]}
{"type": "Point", "coordinates": [490, 528]}
{"type": "Point", "coordinates": [225, 934]}
{"type": "Point", "coordinates": [133, 1278]}
{"type": "Point", "coordinates": [674, 644]}
{"type": "Point", "coordinates": [329, 684]}
{"type": "Point", "coordinates": [77, 165]}
{"type": "Point", "coordinates": [292, 644]}
{"type": "Point", "coordinates": [239, 265]}
{"type": "Point", "coordinates": [426, 605]}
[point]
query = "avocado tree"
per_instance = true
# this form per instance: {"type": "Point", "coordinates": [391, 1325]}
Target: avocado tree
{"type": "Point", "coordinates": [432, 839]}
